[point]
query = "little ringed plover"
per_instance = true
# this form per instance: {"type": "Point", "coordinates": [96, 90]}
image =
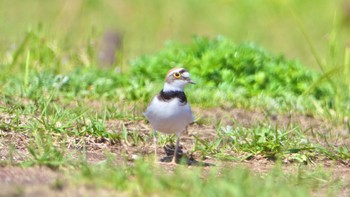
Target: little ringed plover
{"type": "Point", "coordinates": [169, 112]}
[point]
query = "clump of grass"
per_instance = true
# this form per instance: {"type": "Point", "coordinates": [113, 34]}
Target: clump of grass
{"type": "Point", "coordinates": [220, 62]}
{"type": "Point", "coordinates": [45, 151]}
{"type": "Point", "coordinates": [230, 71]}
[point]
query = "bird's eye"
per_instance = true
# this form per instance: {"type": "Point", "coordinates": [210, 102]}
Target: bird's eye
{"type": "Point", "coordinates": [177, 75]}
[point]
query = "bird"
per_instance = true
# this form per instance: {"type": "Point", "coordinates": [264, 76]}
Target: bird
{"type": "Point", "coordinates": [169, 111]}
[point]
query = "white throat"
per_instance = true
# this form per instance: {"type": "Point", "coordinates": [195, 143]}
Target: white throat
{"type": "Point", "coordinates": [173, 87]}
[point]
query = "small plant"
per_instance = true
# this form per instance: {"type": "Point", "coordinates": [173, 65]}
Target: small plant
{"type": "Point", "coordinates": [45, 152]}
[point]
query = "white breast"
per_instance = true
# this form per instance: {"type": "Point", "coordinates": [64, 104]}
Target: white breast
{"type": "Point", "coordinates": [169, 117]}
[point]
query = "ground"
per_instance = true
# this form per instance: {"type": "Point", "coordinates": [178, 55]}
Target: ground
{"type": "Point", "coordinates": [44, 181]}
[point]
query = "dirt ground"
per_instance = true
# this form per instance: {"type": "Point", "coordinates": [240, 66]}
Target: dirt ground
{"type": "Point", "coordinates": [42, 181]}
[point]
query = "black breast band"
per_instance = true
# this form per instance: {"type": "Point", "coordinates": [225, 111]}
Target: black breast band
{"type": "Point", "coordinates": [168, 96]}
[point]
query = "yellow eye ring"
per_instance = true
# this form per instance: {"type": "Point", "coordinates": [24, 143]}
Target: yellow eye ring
{"type": "Point", "coordinates": [177, 75]}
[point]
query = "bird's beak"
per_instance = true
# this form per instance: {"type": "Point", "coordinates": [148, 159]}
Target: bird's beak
{"type": "Point", "coordinates": [191, 82]}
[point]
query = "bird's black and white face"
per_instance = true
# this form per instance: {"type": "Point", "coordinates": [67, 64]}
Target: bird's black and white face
{"type": "Point", "coordinates": [176, 79]}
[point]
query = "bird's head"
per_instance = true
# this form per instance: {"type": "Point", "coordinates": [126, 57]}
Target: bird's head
{"type": "Point", "coordinates": [176, 79]}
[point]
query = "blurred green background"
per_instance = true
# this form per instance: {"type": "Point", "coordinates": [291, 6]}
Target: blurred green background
{"type": "Point", "coordinates": [146, 25]}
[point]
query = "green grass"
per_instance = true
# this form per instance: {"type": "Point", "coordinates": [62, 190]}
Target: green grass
{"type": "Point", "coordinates": [234, 75]}
{"type": "Point", "coordinates": [238, 75]}
{"type": "Point", "coordinates": [289, 144]}
{"type": "Point", "coordinates": [244, 75]}
{"type": "Point", "coordinates": [143, 180]}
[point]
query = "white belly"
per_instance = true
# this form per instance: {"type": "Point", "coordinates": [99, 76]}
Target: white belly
{"type": "Point", "coordinates": [169, 117]}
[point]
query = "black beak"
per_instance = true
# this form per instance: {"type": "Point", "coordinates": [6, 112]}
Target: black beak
{"type": "Point", "coordinates": [190, 81]}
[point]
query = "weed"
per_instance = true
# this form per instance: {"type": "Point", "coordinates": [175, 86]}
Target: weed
{"type": "Point", "coordinates": [44, 152]}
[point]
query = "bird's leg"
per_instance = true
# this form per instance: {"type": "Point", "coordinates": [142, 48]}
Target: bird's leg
{"type": "Point", "coordinates": [155, 145]}
{"type": "Point", "coordinates": [176, 147]}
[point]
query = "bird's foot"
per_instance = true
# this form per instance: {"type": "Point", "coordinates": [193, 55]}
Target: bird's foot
{"type": "Point", "coordinates": [170, 150]}
{"type": "Point", "coordinates": [173, 161]}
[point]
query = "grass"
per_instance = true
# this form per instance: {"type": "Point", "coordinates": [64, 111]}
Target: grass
{"type": "Point", "coordinates": [238, 75]}
{"type": "Point", "coordinates": [57, 98]}
{"type": "Point", "coordinates": [143, 179]}
{"type": "Point", "coordinates": [47, 147]}
{"type": "Point", "coordinates": [241, 75]}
